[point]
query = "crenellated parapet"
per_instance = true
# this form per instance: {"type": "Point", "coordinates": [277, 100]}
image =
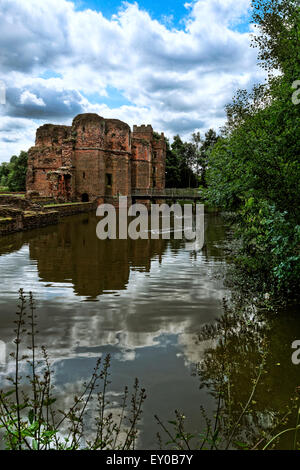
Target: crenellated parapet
{"type": "Point", "coordinates": [95, 158]}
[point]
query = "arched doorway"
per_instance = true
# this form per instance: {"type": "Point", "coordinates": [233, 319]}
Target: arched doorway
{"type": "Point", "coordinates": [85, 197]}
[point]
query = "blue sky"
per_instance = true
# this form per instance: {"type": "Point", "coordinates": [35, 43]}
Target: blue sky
{"type": "Point", "coordinates": [172, 64]}
{"type": "Point", "coordinates": [172, 10]}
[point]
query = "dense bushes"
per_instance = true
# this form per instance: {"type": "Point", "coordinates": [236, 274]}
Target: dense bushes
{"type": "Point", "coordinates": [255, 165]}
{"type": "Point", "coordinates": [13, 174]}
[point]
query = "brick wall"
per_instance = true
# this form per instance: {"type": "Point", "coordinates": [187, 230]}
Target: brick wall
{"type": "Point", "coordinates": [94, 158]}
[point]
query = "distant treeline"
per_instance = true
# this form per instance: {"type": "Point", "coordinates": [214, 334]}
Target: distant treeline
{"type": "Point", "coordinates": [13, 174]}
{"type": "Point", "coordinates": [187, 162]}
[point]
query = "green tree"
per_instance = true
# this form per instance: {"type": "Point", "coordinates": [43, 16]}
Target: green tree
{"type": "Point", "coordinates": [4, 172]}
{"type": "Point", "coordinates": [255, 166]}
{"type": "Point", "coordinates": [203, 149]}
{"type": "Point", "coordinates": [180, 164]}
{"type": "Point", "coordinates": [16, 179]}
{"type": "Point", "coordinates": [172, 168]}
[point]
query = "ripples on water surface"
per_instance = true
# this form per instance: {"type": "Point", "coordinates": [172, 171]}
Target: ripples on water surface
{"type": "Point", "coordinates": [141, 301]}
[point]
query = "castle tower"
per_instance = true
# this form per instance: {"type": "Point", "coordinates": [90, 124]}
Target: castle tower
{"type": "Point", "coordinates": [95, 159]}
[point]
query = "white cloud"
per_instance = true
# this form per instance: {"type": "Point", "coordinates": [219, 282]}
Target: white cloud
{"type": "Point", "coordinates": [16, 134]}
{"type": "Point", "coordinates": [178, 80]}
{"type": "Point", "coordinates": [30, 98]}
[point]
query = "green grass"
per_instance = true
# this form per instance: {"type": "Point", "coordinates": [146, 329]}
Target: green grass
{"type": "Point", "coordinates": [12, 194]}
{"type": "Point", "coordinates": [66, 204]}
{"type": "Point", "coordinates": [182, 202]}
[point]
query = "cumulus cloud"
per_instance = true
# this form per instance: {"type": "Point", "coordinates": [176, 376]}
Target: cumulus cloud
{"type": "Point", "coordinates": [179, 80]}
{"type": "Point", "coordinates": [42, 103]}
{"type": "Point", "coordinates": [16, 134]}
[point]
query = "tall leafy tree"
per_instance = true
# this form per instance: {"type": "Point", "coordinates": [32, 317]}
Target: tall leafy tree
{"type": "Point", "coordinates": [172, 168]}
{"type": "Point", "coordinates": [180, 164]}
{"type": "Point", "coordinates": [13, 174]}
{"type": "Point", "coordinates": [4, 172]}
{"type": "Point", "coordinates": [203, 149]}
{"type": "Point", "coordinates": [255, 166]}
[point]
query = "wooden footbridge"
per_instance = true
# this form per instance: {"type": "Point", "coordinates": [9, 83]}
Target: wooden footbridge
{"type": "Point", "coordinates": [173, 194]}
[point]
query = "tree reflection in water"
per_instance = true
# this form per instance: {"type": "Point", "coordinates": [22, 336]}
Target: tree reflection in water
{"type": "Point", "coordinates": [240, 370]}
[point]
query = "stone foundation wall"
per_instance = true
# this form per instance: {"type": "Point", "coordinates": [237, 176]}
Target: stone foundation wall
{"type": "Point", "coordinates": [27, 221]}
{"type": "Point", "coordinates": [72, 209]}
{"type": "Point", "coordinates": [15, 219]}
{"type": "Point", "coordinates": [17, 202]}
{"type": "Point", "coordinates": [7, 225]}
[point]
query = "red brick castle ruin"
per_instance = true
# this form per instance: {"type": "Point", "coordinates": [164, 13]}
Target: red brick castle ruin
{"type": "Point", "coordinates": [95, 159]}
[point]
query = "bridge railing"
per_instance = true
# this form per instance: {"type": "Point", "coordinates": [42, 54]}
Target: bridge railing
{"type": "Point", "coordinates": [169, 192]}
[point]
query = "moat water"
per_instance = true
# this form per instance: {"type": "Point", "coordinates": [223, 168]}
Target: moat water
{"type": "Point", "coordinates": [144, 302]}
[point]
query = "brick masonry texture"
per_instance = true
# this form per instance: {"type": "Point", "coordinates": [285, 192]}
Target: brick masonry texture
{"type": "Point", "coordinates": [95, 159]}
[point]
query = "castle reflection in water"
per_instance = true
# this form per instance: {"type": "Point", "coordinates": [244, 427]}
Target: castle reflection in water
{"type": "Point", "coordinates": [71, 253]}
